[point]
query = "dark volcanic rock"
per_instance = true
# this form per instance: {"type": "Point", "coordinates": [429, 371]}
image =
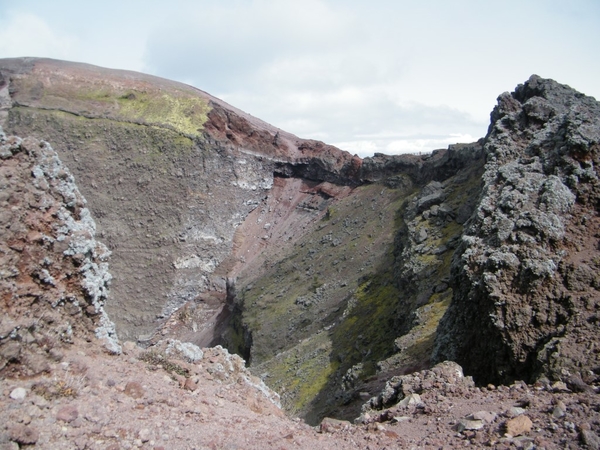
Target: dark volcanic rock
{"type": "Point", "coordinates": [525, 277]}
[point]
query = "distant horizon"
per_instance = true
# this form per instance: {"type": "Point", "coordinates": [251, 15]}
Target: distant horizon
{"type": "Point", "coordinates": [387, 77]}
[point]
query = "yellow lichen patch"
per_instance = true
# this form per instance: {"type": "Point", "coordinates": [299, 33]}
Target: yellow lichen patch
{"type": "Point", "coordinates": [174, 108]}
{"type": "Point", "coordinates": [184, 114]}
{"type": "Point", "coordinates": [302, 372]}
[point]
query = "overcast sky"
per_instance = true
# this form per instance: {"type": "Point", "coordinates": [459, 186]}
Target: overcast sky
{"type": "Point", "coordinates": [368, 76]}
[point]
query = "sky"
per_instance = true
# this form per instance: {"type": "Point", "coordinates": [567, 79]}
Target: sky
{"type": "Point", "coordinates": [388, 76]}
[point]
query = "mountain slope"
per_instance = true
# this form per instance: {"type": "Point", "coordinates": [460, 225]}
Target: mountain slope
{"type": "Point", "coordinates": [170, 173]}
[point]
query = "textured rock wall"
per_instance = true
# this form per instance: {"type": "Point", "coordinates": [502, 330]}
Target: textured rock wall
{"type": "Point", "coordinates": [54, 275]}
{"type": "Point", "coordinates": [170, 173]}
{"type": "Point", "coordinates": [525, 277]}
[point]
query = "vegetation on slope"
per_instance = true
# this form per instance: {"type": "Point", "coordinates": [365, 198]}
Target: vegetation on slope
{"type": "Point", "coordinates": [182, 111]}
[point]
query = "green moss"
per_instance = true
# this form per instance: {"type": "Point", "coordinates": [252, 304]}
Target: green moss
{"type": "Point", "coordinates": [331, 213]}
{"type": "Point", "coordinates": [364, 334]}
{"type": "Point", "coordinates": [173, 108]}
{"type": "Point", "coordinates": [316, 378]}
{"type": "Point", "coordinates": [158, 359]}
{"type": "Point", "coordinates": [186, 115]}
{"type": "Point", "coordinates": [424, 334]}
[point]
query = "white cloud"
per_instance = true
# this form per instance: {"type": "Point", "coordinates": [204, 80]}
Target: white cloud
{"type": "Point", "coordinates": [25, 34]}
{"type": "Point", "coordinates": [395, 145]}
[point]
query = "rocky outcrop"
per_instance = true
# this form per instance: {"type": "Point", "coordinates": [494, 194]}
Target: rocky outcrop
{"type": "Point", "coordinates": [525, 277]}
{"type": "Point", "coordinates": [437, 166]}
{"type": "Point", "coordinates": [399, 389]}
{"type": "Point", "coordinates": [54, 277]}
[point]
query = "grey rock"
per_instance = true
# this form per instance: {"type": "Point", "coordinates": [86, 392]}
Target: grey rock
{"type": "Point", "coordinates": [591, 439]}
{"type": "Point", "coordinates": [429, 200]}
{"type": "Point", "coordinates": [559, 411]}
{"type": "Point", "coordinates": [411, 399]}
{"type": "Point", "coordinates": [469, 424]}
{"type": "Point", "coordinates": [421, 235]}
{"type": "Point", "coordinates": [486, 416]}
{"type": "Point", "coordinates": [538, 151]}
{"type": "Point", "coordinates": [18, 393]}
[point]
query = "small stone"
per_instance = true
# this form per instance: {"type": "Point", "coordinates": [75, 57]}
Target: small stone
{"type": "Point", "coordinates": [411, 399]}
{"type": "Point", "coordinates": [515, 411]}
{"type": "Point", "coordinates": [559, 410]}
{"type": "Point", "coordinates": [40, 401]}
{"type": "Point", "coordinates": [67, 413]}
{"type": "Point", "coordinates": [25, 419]}
{"type": "Point", "coordinates": [77, 423]}
{"type": "Point", "coordinates": [591, 439]}
{"type": "Point", "coordinates": [468, 424]}
{"type": "Point", "coordinates": [191, 383]}
{"type": "Point", "coordinates": [24, 434]}
{"type": "Point", "coordinates": [576, 384]}
{"type": "Point", "coordinates": [329, 425]}
{"type": "Point", "coordinates": [560, 386]}
{"type": "Point", "coordinates": [18, 393]}
{"type": "Point", "coordinates": [421, 236]}
{"type": "Point", "coordinates": [134, 389]}
{"type": "Point", "coordinates": [518, 426]}
{"type": "Point", "coordinates": [486, 416]}
{"type": "Point", "coordinates": [144, 435]}
{"type": "Point", "coordinates": [398, 419]}
{"type": "Point", "coordinates": [81, 442]}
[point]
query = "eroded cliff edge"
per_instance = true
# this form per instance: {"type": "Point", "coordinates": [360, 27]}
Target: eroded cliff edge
{"type": "Point", "coordinates": [54, 277]}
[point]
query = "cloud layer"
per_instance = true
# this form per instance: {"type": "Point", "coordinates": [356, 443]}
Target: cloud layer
{"type": "Point", "coordinates": [387, 76]}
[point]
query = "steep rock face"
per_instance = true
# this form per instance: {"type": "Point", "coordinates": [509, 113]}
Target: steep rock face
{"type": "Point", "coordinates": [170, 173]}
{"type": "Point", "coordinates": [54, 274]}
{"type": "Point", "coordinates": [526, 275]}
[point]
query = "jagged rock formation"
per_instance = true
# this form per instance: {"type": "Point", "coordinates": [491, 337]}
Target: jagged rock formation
{"type": "Point", "coordinates": [526, 275]}
{"type": "Point", "coordinates": [54, 276]}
